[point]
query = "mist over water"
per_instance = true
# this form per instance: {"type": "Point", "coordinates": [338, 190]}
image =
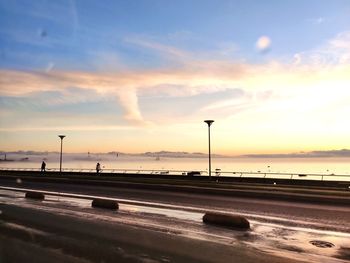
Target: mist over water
{"type": "Point", "coordinates": [337, 166]}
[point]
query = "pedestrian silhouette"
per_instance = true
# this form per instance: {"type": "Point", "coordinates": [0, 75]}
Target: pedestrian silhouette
{"type": "Point", "coordinates": [43, 166]}
{"type": "Point", "coordinates": [98, 168]}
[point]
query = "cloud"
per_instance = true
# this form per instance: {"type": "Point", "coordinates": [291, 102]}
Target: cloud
{"type": "Point", "coordinates": [318, 20]}
{"type": "Point", "coordinates": [74, 15]}
{"type": "Point", "coordinates": [241, 101]}
{"type": "Point", "coordinates": [228, 48]}
{"type": "Point", "coordinates": [69, 128]}
{"type": "Point", "coordinates": [127, 86]}
{"type": "Point", "coordinates": [49, 66]}
{"type": "Point", "coordinates": [163, 49]}
{"type": "Point", "coordinates": [43, 11]}
{"type": "Point", "coordinates": [263, 43]}
{"type": "Point", "coordinates": [129, 101]}
{"type": "Point", "coordinates": [297, 59]}
{"type": "Point", "coordinates": [335, 52]}
{"type": "Point", "coordinates": [341, 41]}
{"type": "Point", "coordinates": [195, 75]}
{"type": "Point", "coordinates": [312, 154]}
{"type": "Point", "coordinates": [221, 52]}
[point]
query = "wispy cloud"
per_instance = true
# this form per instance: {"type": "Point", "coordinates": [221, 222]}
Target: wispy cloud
{"type": "Point", "coordinates": [196, 75]}
{"type": "Point", "coordinates": [69, 128]}
{"type": "Point", "coordinates": [317, 21]}
{"type": "Point", "coordinates": [48, 11]}
{"type": "Point", "coordinates": [166, 50]}
{"type": "Point", "coordinates": [312, 154]}
{"type": "Point", "coordinates": [335, 52]}
{"type": "Point", "coordinates": [74, 15]}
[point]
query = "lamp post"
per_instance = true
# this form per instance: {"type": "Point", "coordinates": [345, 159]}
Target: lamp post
{"type": "Point", "coordinates": [209, 122]}
{"type": "Point", "coordinates": [61, 137]}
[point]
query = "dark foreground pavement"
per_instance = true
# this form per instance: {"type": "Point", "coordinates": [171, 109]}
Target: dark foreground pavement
{"type": "Point", "coordinates": [28, 235]}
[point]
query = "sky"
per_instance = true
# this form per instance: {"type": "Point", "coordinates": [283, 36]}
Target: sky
{"type": "Point", "coordinates": [143, 75]}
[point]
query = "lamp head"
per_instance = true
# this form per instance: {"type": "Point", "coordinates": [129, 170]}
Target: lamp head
{"type": "Point", "coordinates": [61, 136]}
{"type": "Point", "coordinates": [209, 122]}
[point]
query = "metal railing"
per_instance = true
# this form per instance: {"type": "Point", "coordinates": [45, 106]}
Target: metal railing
{"type": "Point", "coordinates": [216, 173]}
{"type": "Point", "coordinates": [109, 171]}
{"type": "Point", "coordinates": [290, 176]}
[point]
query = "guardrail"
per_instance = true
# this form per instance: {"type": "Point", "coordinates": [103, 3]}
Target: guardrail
{"type": "Point", "coordinates": [290, 176]}
{"type": "Point", "coordinates": [109, 171]}
{"type": "Point", "coordinates": [216, 173]}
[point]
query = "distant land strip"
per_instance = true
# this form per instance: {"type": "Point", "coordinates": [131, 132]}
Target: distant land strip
{"type": "Point", "coordinates": [172, 154]}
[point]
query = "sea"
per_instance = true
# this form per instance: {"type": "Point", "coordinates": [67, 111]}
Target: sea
{"type": "Point", "coordinates": [325, 168]}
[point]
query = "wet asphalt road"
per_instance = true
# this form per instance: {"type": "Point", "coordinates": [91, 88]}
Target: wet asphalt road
{"type": "Point", "coordinates": [325, 217]}
{"type": "Point", "coordinates": [285, 229]}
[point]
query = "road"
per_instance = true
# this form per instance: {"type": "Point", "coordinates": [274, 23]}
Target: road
{"type": "Point", "coordinates": [328, 217]}
{"type": "Point", "coordinates": [279, 228]}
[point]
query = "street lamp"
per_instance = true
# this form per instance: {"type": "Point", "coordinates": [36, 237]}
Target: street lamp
{"type": "Point", "coordinates": [61, 137]}
{"type": "Point", "coordinates": [209, 122]}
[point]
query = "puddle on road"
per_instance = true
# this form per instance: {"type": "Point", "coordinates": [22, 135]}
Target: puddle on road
{"type": "Point", "coordinates": [294, 242]}
{"type": "Point", "coordinates": [142, 210]}
{"type": "Point", "coordinates": [21, 227]}
{"type": "Point", "coordinates": [73, 202]}
{"type": "Point", "coordinates": [321, 243]}
{"type": "Point", "coordinates": [171, 213]}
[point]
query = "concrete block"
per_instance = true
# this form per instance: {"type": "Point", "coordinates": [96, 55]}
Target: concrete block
{"type": "Point", "coordinates": [35, 195]}
{"type": "Point", "coordinates": [227, 220]}
{"type": "Point", "coordinates": [105, 203]}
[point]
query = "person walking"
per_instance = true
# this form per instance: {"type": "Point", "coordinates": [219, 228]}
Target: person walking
{"type": "Point", "coordinates": [98, 168]}
{"type": "Point", "coordinates": [43, 166]}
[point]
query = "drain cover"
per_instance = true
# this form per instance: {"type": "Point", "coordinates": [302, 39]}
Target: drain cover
{"type": "Point", "coordinates": [321, 244]}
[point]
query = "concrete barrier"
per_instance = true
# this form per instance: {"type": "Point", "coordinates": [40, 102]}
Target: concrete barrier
{"type": "Point", "coordinates": [234, 221]}
{"type": "Point", "coordinates": [105, 203]}
{"type": "Point", "coordinates": [35, 195]}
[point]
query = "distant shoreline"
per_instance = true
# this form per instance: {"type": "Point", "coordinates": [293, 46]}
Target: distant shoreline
{"type": "Point", "coordinates": [343, 153]}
